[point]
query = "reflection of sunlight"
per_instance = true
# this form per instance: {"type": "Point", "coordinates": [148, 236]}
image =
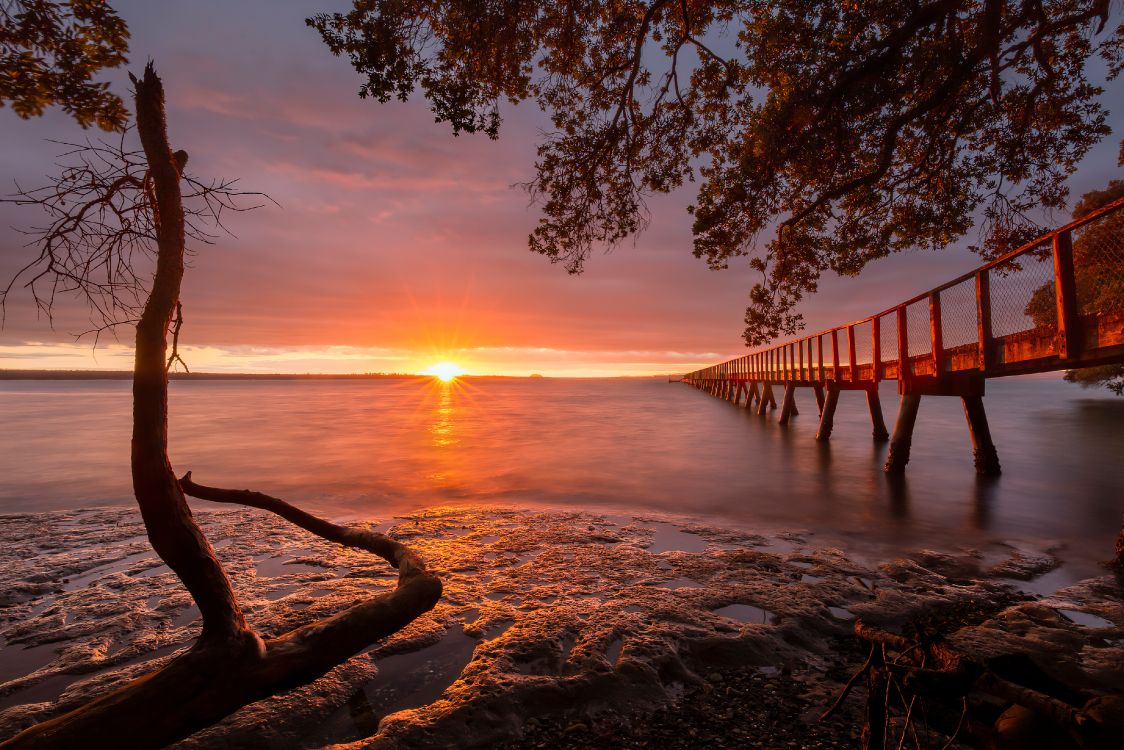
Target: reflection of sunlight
{"type": "Point", "coordinates": [447, 407]}
{"type": "Point", "coordinates": [443, 427]}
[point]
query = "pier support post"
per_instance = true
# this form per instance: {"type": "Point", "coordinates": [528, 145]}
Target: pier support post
{"type": "Point", "coordinates": [752, 396]}
{"type": "Point", "coordinates": [903, 434]}
{"type": "Point", "coordinates": [876, 421]}
{"type": "Point", "coordinates": [738, 394]}
{"type": "Point", "coordinates": [819, 397]}
{"type": "Point", "coordinates": [986, 457]}
{"type": "Point", "coordinates": [788, 403]}
{"type": "Point", "coordinates": [827, 416]}
{"type": "Point", "coordinates": [766, 398]}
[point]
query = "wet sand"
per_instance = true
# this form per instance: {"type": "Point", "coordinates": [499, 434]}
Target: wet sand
{"type": "Point", "coordinates": [572, 627]}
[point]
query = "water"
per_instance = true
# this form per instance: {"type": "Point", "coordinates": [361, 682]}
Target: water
{"type": "Point", "coordinates": [374, 447]}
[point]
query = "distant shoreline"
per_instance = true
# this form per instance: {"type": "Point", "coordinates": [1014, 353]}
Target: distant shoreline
{"type": "Point", "coordinates": [128, 375]}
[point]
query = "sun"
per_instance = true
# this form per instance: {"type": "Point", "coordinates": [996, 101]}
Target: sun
{"type": "Point", "coordinates": [445, 371]}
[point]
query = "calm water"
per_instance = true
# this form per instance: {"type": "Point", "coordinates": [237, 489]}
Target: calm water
{"type": "Point", "coordinates": [373, 447]}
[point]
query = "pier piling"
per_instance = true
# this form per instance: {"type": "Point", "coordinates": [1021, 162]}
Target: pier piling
{"type": "Point", "coordinates": [767, 399]}
{"type": "Point", "coordinates": [903, 434]}
{"type": "Point", "coordinates": [877, 423]}
{"type": "Point", "coordinates": [788, 403]}
{"type": "Point", "coordinates": [827, 417]}
{"type": "Point", "coordinates": [983, 449]}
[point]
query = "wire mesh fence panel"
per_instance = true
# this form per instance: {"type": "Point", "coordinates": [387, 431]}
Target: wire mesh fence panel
{"type": "Point", "coordinates": [1098, 270]}
{"type": "Point", "coordinates": [864, 343]}
{"type": "Point", "coordinates": [958, 315]}
{"type": "Point", "coordinates": [841, 338]}
{"type": "Point", "coordinates": [888, 338]}
{"type": "Point", "coordinates": [1023, 305]}
{"type": "Point", "coordinates": [810, 362]}
{"type": "Point", "coordinates": [918, 329]}
{"type": "Point", "coordinates": [960, 325]}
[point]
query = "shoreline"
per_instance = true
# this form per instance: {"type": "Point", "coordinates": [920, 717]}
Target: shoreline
{"type": "Point", "coordinates": [615, 615]}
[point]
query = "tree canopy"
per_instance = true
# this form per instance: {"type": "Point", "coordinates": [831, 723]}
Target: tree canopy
{"type": "Point", "coordinates": [824, 134]}
{"type": "Point", "coordinates": [50, 52]}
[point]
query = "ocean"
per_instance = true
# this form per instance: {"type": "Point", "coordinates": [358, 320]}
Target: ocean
{"type": "Point", "coordinates": [358, 448]}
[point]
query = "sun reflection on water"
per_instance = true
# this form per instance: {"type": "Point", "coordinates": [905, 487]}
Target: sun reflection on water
{"type": "Point", "coordinates": [443, 428]}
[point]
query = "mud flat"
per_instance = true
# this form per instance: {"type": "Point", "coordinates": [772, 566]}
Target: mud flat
{"type": "Point", "coordinates": [567, 629]}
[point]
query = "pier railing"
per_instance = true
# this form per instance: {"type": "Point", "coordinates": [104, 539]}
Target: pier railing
{"type": "Point", "coordinates": [1055, 303]}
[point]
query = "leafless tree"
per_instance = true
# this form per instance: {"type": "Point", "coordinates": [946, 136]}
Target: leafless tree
{"type": "Point", "coordinates": [110, 213]}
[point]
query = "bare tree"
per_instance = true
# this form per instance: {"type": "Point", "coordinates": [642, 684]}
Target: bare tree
{"type": "Point", "coordinates": [107, 214]}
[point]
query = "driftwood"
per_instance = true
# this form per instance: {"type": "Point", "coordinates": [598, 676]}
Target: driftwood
{"type": "Point", "coordinates": [231, 665]}
{"type": "Point", "coordinates": [900, 672]}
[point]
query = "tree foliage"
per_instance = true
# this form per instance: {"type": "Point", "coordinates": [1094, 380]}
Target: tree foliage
{"type": "Point", "coordinates": [825, 134]}
{"type": "Point", "coordinates": [50, 52]}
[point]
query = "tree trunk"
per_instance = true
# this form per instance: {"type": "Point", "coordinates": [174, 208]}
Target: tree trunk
{"type": "Point", "coordinates": [229, 666]}
{"type": "Point", "coordinates": [172, 531]}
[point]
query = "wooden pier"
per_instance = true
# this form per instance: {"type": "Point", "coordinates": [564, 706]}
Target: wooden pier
{"type": "Point", "coordinates": [1056, 303]}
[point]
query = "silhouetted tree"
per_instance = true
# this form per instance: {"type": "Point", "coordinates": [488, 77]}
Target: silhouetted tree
{"type": "Point", "coordinates": [49, 53]}
{"type": "Point", "coordinates": [854, 129]}
{"type": "Point", "coordinates": [111, 213]}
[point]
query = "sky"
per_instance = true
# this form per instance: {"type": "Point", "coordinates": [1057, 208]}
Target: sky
{"type": "Point", "coordinates": [395, 244]}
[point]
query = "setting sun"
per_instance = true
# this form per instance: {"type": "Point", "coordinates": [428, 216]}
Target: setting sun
{"type": "Point", "coordinates": [445, 371]}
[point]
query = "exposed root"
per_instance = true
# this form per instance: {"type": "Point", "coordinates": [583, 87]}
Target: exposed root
{"type": "Point", "coordinates": [954, 677]}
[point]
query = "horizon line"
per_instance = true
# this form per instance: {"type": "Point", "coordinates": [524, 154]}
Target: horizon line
{"type": "Point", "coordinates": [96, 374]}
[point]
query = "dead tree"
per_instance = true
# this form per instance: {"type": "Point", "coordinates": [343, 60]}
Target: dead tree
{"type": "Point", "coordinates": [102, 212]}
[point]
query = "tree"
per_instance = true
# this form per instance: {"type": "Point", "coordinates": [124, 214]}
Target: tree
{"type": "Point", "coordinates": [109, 212]}
{"type": "Point", "coordinates": [1098, 271]}
{"type": "Point", "coordinates": [49, 53]}
{"type": "Point", "coordinates": [853, 129]}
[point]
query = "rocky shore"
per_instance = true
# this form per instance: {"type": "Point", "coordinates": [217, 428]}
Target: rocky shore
{"type": "Point", "coordinates": [557, 629]}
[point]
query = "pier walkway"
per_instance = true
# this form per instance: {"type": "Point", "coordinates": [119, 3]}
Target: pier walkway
{"type": "Point", "coordinates": [1056, 303]}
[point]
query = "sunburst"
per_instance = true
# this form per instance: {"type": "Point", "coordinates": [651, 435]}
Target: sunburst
{"type": "Point", "coordinates": [445, 371]}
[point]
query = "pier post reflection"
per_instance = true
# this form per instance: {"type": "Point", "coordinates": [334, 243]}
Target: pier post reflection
{"type": "Point", "coordinates": [898, 488]}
